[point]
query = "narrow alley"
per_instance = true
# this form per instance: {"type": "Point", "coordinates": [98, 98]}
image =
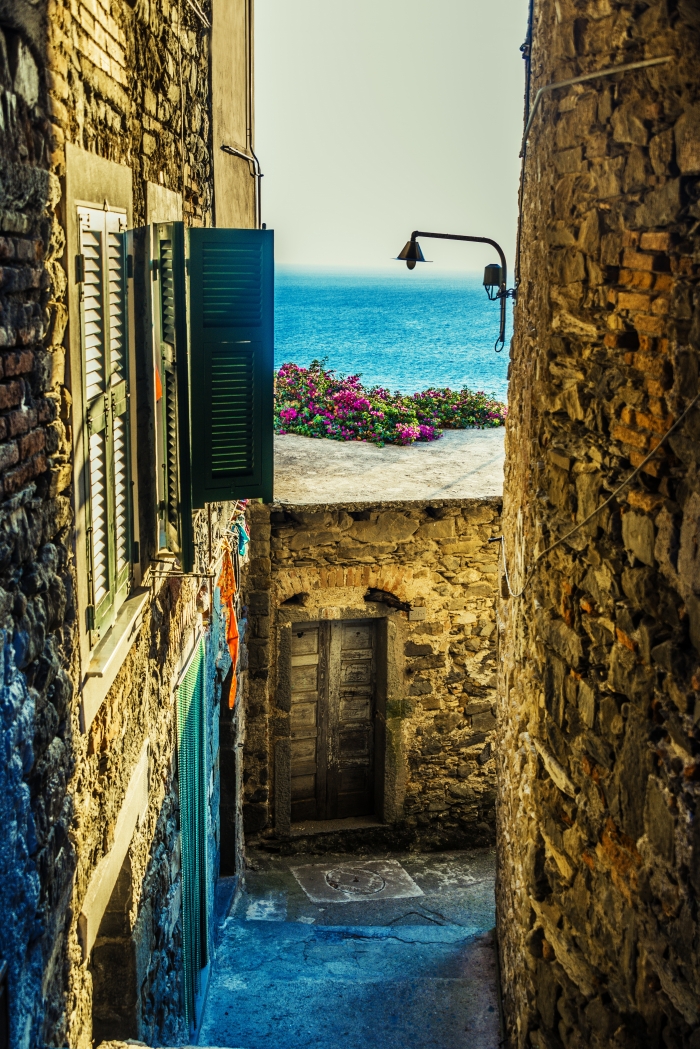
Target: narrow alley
{"type": "Point", "coordinates": [350, 648]}
{"type": "Point", "coordinates": [355, 951]}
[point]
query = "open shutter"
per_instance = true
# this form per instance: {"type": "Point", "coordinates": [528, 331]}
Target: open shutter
{"type": "Point", "coordinates": [102, 274]}
{"type": "Point", "coordinates": [93, 337]}
{"type": "Point", "coordinates": [176, 504]}
{"type": "Point", "coordinates": [119, 378]}
{"type": "Point", "coordinates": [231, 298]}
{"type": "Point", "coordinates": [192, 780]}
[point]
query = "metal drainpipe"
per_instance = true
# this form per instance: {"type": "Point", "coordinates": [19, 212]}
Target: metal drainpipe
{"type": "Point", "coordinates": [249, 112]}
{"type": "Point", "coordinates": [248, 154]}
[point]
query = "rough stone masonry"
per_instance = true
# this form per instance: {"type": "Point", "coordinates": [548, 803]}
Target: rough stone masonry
{"type": "Point", "coordinates": [324, 562]}
{"type": "Point", "coordinates": [599, 720]}
{"type": "Point", "coordinates": [127, 81]}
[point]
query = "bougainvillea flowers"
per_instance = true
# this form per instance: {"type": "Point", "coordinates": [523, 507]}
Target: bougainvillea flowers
{"type": "Point", "coordinates": [314, 402]}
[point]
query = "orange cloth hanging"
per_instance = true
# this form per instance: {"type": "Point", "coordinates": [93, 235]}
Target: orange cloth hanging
{"type": "Point", "coordinates": [159, 385]}
{"type": "Point", "coordinates": [227, 589]}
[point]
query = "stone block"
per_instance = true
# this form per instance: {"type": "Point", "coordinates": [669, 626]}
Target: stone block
{"type": "Point", "coordinates": [660, 205]}
{"type": "Point", "coordinates": [388, 527]}
{"type": "Point", "coordinates": [413, 649]}
{"type": "Point", "coordinates": [659, 823]}
{"type": "Point", "coordinates": [444, 529]}
{"type": "Point", "coordinates": [638, 536]}
{"type": "Point", "coordinates": [627, 124]}
{"type": "Point", "coordinates": [687, 135]}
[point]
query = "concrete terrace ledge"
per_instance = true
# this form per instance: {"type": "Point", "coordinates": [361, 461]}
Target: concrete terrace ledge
{"type": "Point", "coordinates": [461, 464]}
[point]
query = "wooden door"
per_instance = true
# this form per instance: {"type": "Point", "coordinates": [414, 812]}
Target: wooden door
{"type": "Point", "coordinates": [351, 681]}
{"type": "Point", "coordinates": [308, 721]}
{"type": "Point", "coordinates": [332, 719]}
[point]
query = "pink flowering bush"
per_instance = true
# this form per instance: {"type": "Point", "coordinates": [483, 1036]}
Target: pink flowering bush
{"type": "Point", "coordinates": [314, 402]}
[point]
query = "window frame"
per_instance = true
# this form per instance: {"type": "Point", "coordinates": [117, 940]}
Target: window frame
{"type": "Point", "coordinates": [93, 182]}
{"type": "Point", "coordinates": [173, 484]}
{"type": "Point", "coordinates": [103, 410]}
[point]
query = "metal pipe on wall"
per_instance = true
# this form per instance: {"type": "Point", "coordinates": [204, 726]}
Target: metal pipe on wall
{"type": "Point", "coordinates": [249, 112]}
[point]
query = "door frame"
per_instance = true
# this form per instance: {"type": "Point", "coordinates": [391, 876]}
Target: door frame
{"type": "Point", "coordinates": [391, 708]}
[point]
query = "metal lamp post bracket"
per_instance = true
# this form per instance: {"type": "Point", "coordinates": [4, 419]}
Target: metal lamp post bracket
{"type": "Point", "coordinates": [503, 289]}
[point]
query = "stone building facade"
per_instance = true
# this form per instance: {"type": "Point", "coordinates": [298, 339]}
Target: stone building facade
{"type": "Point", "coordinates": [599, 840]}
{"type": "Point", "coordinates": [421, 578]}
{"type": "Point", "coordinates": [119, 108]}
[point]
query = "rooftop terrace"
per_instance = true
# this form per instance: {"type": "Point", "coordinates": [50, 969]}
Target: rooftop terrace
{"type": "Point", "coordinates": [463, 464]}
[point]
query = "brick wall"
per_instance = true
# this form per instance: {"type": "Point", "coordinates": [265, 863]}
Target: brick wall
{"type": "Point", "coordinates": [598, 809]}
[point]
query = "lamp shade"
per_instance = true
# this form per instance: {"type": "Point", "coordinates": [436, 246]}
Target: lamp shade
{"type": "Point", "coordinates": [411, 254]}
{"type": "Point", "coordinates": [492, 276]}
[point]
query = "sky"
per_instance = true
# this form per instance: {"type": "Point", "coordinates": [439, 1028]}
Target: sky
{"type": "Point", "coordinates": [377, 117]}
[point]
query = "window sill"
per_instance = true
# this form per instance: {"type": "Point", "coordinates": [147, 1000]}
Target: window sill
{"type": "Point", "coordinates": [109, 655]}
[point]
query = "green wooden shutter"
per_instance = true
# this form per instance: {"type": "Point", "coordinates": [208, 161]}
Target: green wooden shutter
{"type": "Point", "coordinates": [231, 341]}
{"type": "Point", "coordinates": [193, 826]}
{"type": "Point", "coordinates": [103, 309]}
{"type": "Point", "coordinates": [176, 504]}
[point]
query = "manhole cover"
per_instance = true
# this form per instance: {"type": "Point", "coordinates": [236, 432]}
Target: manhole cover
{"type": "Point", "coordinates": [355, 879]}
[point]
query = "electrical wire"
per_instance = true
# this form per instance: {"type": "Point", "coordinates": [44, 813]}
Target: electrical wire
{"type": "Point", "coordinates": [501, 538]}
{"type": "Point", "coordinates": [628, 67]}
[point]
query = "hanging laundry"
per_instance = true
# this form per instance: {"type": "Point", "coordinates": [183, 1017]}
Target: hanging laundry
{"type": "Point", "coordinates": [227, 588]}
{"type": "Point", "coordinates": [243, 535]}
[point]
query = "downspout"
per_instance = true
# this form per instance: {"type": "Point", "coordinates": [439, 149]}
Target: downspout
{"type": "Point", "coordinates": [248, 154]}
{"type": "Point", "coordinates": [249, 113]}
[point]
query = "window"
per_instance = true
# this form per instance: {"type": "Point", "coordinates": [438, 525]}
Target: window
{"type": "Point", "coordinates": [172, 402]}
{"type": "Point", "coordinates": [101, 272]}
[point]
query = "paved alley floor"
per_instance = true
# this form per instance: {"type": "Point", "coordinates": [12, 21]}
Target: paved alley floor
{"type": "Point", "coordinates": [352, 952]}
{"type": "Point", "coordinates": [463, 464]}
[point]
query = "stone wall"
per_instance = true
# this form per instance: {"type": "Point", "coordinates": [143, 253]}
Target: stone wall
{"type": "Point", "coordinates": [129, 81]}
{"type": "Point", "coordinates": [38, 612]}
{"type": "Point", "coordinates": [310, 563]}
{"type": "Point", "coordinates": [599, 847]}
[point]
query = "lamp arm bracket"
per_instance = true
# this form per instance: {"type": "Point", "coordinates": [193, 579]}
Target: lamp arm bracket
{"type": "Point", "coordinates": [474, 240]}
{"type": "Point", "coordinates": [503, 292]}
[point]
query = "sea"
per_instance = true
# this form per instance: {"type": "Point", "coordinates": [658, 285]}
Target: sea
{"type": "Point", "coordinates": [403, 330]}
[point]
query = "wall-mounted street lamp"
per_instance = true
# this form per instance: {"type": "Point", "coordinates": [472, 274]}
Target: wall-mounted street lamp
{"type": "Point", "coordinates": [495, 276]}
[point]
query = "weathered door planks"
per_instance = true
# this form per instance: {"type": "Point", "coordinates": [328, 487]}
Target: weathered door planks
{"type": "Point", "coordinates": [308, 723]}
{"type": "Point", "coordinates": [332, 719]}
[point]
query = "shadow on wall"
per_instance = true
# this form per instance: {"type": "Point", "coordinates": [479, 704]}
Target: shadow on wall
{"type": "Point", "coordinates": [136, 962]}
{"type": "Point", "coordinates": [113, 967]}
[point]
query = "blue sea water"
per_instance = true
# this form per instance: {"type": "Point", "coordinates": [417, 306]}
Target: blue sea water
{"type": "Point", "coordinates": [405, 330]}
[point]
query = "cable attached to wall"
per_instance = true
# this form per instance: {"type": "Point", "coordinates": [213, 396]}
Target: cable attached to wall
{"type": "Point", "coordinates": [501, 539]}
{"type": "Point", "coordinates": [541, 92]}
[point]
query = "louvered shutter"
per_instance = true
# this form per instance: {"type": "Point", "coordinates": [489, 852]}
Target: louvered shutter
{"type": "Point", "coordinates": [175, 509]}
{"type": "Point", "coordinates": [118, 363]}
{"type": "Point", "coordinates": [231, 298]}
{"type": "Point", "coordinates": [192, 780]}
{"type": "Point", "coordinates": [102, 264]}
